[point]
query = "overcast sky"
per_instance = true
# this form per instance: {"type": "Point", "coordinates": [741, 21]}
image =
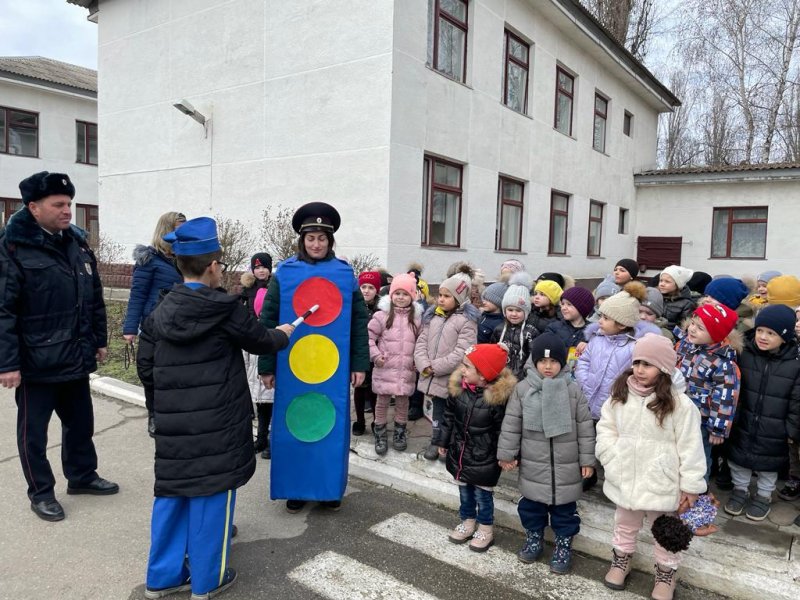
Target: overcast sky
{"type": "Point", "coordinates": [49, 28]}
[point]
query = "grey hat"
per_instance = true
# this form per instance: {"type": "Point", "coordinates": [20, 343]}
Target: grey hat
{"type": "Point", "coordinates": [494, 293]}
{"type": "Point", "coordinates": [654, 301]}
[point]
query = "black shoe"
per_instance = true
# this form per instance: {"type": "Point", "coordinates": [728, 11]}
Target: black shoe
{"type": "Point", "coordinates": [724, 484]}
{"type": "Point", "coordinates": [227, 581]}
{"type": "Point", "coordinates": [415, 413]}
{"type": "Point", "coordinates": [295, 506]}
{"type": "Point", "coordinates": [261, 444]}
{"type": "Point", "coordinates": [49, 510]}
{"type": "Point", "coordinates": [359, 428]}
{"type": "Point", "coordinates": [234, 531]}
{"type": "Point", "coordinates": [590, 482]}
{"type": "Point", "coordinates": [98, 487]}
{"type": "Point", "coordinates": [152, 593]}
{"type": "Point", "coordinates": [431, 453]}
{"type": "Point", "coordinates": [331, 504]}
{"type": "Point", "coordinates": [266, 453]}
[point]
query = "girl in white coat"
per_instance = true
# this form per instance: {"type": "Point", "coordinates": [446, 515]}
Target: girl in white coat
{"type": "Point", "coordinates": [649, 442]}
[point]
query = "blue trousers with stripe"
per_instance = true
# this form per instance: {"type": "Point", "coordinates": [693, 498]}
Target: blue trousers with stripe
{"type": "Point", "coordinates": [190, 536]}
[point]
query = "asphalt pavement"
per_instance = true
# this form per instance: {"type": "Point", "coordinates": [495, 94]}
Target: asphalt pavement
{"type": "Point", "coordinates": [382, 544]}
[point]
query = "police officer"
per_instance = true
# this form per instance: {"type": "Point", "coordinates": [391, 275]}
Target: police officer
{"type": "Point", "coordinates": [52, 333]}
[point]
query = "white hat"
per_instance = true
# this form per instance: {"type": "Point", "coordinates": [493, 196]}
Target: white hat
{"type": "Point", "coordinates": [680, 275]}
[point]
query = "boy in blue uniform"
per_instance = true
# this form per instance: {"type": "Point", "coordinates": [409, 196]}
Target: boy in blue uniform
{"type": "Point", "coordinates": [190, 353]}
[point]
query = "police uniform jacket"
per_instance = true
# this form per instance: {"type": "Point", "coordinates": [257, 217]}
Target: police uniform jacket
{"type": "Point", "coordinates": [52, 314]}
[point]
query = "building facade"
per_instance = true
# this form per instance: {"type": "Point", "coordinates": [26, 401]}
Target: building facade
{"type": "Point", "coordinates": [48, 122]}
{"type": "Point", "coordinates": [442, 130]}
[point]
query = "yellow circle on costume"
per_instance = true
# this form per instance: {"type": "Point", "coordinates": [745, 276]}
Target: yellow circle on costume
{"type": "Point", "coordinates": [314, 359]}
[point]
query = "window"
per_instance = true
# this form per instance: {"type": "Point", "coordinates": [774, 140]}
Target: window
{"type": "Point", "coordinates": [509, 226]}
{"type": "Point", "coordinates": [86, 146]}
{"type": "Point", "coordinates": [595, 228]}
{"type": "Point", "coordinates": [8, 206]}
{"type": "Point", "coordinates": [600, 118]}
{"type": "Point", "coordinates": [565, 93]}
{"type": "Point", "coordinates": [447, 37]}
{"type": "Point", "coordinates": [623, 221]}
{"type": "Point", "coordinates": [441, 218]}
{"type": "Point", "coordinates": [739, 232]}
{"type": "Point", "coordinates": [627, 124]}
{"type": "Point", "coordinates": [86, 217]}
{"type": "Point", "coordinates": [515, 75]}
{"type": "Point", "coordinates": [559, 217]}
{"type": "Point", "coordinates": [19, 132]}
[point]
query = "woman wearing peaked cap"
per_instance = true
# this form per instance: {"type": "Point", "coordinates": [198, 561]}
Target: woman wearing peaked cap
{"type": "Point", "coordinates": [305, 464]}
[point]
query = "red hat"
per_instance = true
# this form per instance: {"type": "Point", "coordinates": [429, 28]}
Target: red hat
{"type": "Point", "coordinates": [718, 319]}
{"type": "Point", "coordinates": [489, 359]}
{"type": "Point", "coordinates": [373, 278]}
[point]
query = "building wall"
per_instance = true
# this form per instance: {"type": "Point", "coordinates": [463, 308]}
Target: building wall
{"type": "Point", "coordinates": [687, 210]}
{"type": "Point", "coordinates": [58, 112]}
{"type": "Point", "coordinates": [469, 124]}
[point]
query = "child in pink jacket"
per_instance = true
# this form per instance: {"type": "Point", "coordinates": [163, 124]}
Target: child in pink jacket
{"type": "Point", "coordinates": [393, 333]}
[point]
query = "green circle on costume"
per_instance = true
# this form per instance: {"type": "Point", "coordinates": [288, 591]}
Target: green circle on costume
{"type": "Point", "coordinates": [314, 359]}
{"type": "Point", "coordinates": [310, 417]}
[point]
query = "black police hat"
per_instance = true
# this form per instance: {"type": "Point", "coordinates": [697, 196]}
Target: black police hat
{"type": "Point", "coordinates": [316, 216]}
{"type": "Point", "coordinates": [43, 184]}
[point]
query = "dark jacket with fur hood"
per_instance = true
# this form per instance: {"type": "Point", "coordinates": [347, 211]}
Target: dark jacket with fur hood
{"type": "Point", "coordinates": [52, 314]}
{"type": "Point", "coordinates": [678, 307]}
{"type": "Point", "coordinates": [152, 272]}
{"type": "Point", "coordinates": [471, 428]}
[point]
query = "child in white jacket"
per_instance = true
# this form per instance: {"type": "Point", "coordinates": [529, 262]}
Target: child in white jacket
{"type": "Point", "coordinates": [649, 441]}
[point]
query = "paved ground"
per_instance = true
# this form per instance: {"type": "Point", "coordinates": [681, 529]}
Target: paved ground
{"type": "Point", "coordinates": [382, 544]}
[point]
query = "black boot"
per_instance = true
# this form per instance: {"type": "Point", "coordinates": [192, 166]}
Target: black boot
{"type": "Point", "coordinates": [262, 431]}
{"type": "Point", "coordinates": [266, 453]}
{"type": "Point", "coordinates": [400, 441]}
{"type": "Point", "coordinates": [381, 440]}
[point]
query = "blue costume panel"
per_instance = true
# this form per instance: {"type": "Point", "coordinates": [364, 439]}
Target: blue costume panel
{"type": "Point", "coordinates": [311, 419]}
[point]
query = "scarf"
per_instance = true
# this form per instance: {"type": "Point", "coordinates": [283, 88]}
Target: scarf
{"type": "Point", "coordinates": [546, 407]}
{"type": "Point", "coordinates": [638, 389]}
{"type": "Point", "coordinates": [440, 312]}
{"type": "Point", "coordinates": [468, 386]}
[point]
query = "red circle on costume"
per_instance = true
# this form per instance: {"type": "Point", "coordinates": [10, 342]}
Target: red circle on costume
{"type": "Point", "coordinates": [317, 290]}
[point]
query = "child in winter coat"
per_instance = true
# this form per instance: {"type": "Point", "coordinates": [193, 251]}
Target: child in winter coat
{"type": "Point", "coordinates": [491, 310]}
{"type": "Point", "coordinates": [651, 309]}
{"type": "Point", "coordinates": [648, 440]}
{"type": "Point", "coordinates": [759, 299]}
{"type": "Point", "coordinates": [548, 432]}
{"type": "Point", "coordinates": [603, 292]}
{"type": "Point", "coordinates": [730, 292]}
{"type": "Point", "coordinates": [254, 291]}
{"type": "Point", "coordinates": [769, 410]}
{"type": "Point", "coordinates": [707, 360]}
{"type": "Point", "coordinates": [448, 329]}
{"type": "Point", "coordinates": [369, 282]}
{"type": "Point", "coordinates": [393, 332]}
{"type": "Point", "coordinates": [791, 491]}
{"type": "Point", "coordinates": [678, 302]}
{"type": "Point", "coordinates": [545, 299]}
{"type": "Point", "coordinates": [515, 331]}
{"type": "Point", "coordinates": [476, 404]}
{"type": "Point", "coordinates": [577, 304]}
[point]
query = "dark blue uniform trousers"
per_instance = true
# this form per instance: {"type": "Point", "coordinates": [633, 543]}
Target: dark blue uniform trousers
{"type": "Point", "coordinates": [190, 536]}
{"type": "Point", "coordinates": [72, 402]}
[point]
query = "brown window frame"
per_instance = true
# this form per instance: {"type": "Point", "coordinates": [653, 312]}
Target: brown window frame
{"type": "Point", "coordinates": [554, 213]}
{"type": "Point", "coordinates": [510, 58]}
{"type": "Point", "coordinates": [503, 201]}
{"type": "Point", "coordinates": [729, 231]}
{"type": "Point", "coordinates": [627, 124]}
{"type": "Point", "coordinates": [35, 114]}
{"type": "Point", "coordinates": [86, 146]}
{"type": "Point", "coordinates": [589, 232]}
{"type": "Point", "coordinates": [602, 116]}
{"type": "Point", "coordinates": [623, 224]}
{"type": "Point", "coordinates": [438, 14]}
{"type": "Point", "coordinates": [10, 206]}
{"type": "Point", "coordinates": [429, 164]}
{"type": "Point", "coordinates": [91, 214]}
{"type": "Point", "coordinates": [570, 95]}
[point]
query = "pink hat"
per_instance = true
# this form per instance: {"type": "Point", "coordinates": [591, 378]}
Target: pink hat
{"type": "Point", "coordinates": [406, 282]}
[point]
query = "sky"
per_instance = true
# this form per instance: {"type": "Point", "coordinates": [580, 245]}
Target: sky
{"type": "Point", "coordinates": [49, 28]}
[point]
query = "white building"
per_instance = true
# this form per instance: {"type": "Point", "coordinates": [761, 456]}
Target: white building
{"type": "Point", "coordinates": [442, 130]}
{"type": "Point", "coordinates": [48, 122]}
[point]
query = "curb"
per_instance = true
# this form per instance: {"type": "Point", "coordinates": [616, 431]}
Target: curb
{"type": "Point", "coordinates": [741, 561]}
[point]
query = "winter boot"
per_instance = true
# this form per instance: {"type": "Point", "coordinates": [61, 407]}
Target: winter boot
{"type": "Point", "coordinates": [619, 571]}
{"type": "Point", "coordinates": [562, 555]}
{"type": "Point", "coordinates": [463, 532]}
{"type": "Point", "coordinates": [381, 440]}
{"type": "Point", "coordinates": [482, 539]}
{"type": "Point", "coordinates": [533, 547]}
{"type": "Point", "coordinates": [736, 503]}
{"type": "Point", "coordinates": [266, 453]}
{"type": "Point", "coordinates": [758, 509]}
{"type": "Point", "coordinates": [666, 580]}
{"type": "Point", "coordinates": [400, 441]}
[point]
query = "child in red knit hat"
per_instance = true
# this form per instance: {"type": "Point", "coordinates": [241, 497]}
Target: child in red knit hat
{"type": "Point", "coordinates": [474, 412]}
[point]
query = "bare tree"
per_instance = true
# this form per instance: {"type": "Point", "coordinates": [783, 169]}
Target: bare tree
{"type": "Point", "coordinates": [789, 126]}
{"type": "Point", "coordinates": [106, 250]}
{"type": "Point", "coordinates": [235, 240]}
{"type": "Point", "coordinates": [277, 235]}
{"type": "Point", "coordinates": [364, 262]}
{"type": "Point", "coordinates": [678, 147]}
{"type": "Point", "coordinates": [718, 133]}
{"type": "Point", "coordinates": [631, 22]}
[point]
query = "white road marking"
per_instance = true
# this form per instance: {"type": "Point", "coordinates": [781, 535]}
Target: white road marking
{"type": "Point", "coordinates": [497, 565]}
{"type": "Point", "coordinates": [338, 577]}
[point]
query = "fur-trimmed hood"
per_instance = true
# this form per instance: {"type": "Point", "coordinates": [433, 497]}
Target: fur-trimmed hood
{"type": "Point", "coordinates": [22, 229]}
{"type": "Point", "coordinates": [143, 254]}
{"type": "Point", "coordinates": [247, 279]}
{"type": "Point", "coordinates": [386, 301]}
{"type": "Point", "coordinates": [472, 313]}
{"type": "Point", "coordinates": [496, 393]}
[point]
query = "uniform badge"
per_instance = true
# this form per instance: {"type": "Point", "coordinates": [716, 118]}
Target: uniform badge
{"type": "Point", "coordinates": [319, 220]}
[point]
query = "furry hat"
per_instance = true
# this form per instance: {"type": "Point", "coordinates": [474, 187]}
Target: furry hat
{"type": "Point", "coordinates": [43, 184]}
{"type": "Point", "coordinates": [494, 293]}
{"type": "Point", "coordinates": [624, 306]}
{"type": "Point", "coordinates": [581, 299]}
{"type": "Point", "coordinates": [654, 301]}
{"type": "Point", "coordinates": [415, 268]}
{"type": "Point", "coordinates": [550, 289]}
{"type": "Point", "coordinates": [680, 275]}
{"type": "Point", "coordinates": [729, 291]}
{"type": "Point", "coordinates": [459, 281]}
{"type": "Point", "coordinates": [518, 293]}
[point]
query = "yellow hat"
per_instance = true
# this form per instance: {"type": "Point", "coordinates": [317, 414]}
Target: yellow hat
{"type": "Point", "coordinates": [550, 289]}
{"type": "Point", "coordinates": [784, 289]}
